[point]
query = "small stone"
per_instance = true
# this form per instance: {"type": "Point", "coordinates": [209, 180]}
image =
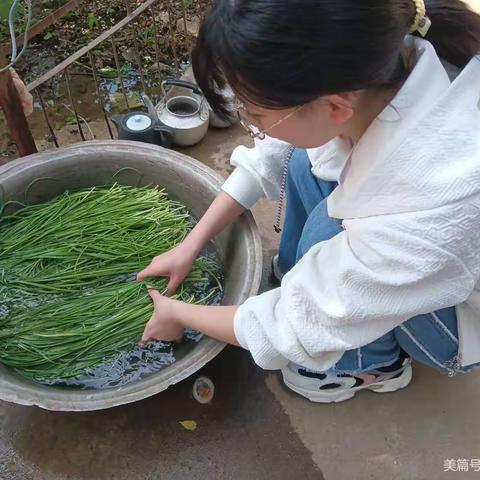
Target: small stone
{"type": "Point", "coordinates": [162, 17]}
{"type": "Point", "coordinates": [193, 25]}
{"type": "Point", "coordinates": [129, 54]}
{"type": "Point", "coordinates": [161, 67]}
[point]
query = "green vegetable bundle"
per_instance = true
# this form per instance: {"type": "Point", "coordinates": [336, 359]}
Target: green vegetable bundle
{"type": "Point", "coordinates": [72, 262]}
{"type": "Point", "coordinates": [88, 237]}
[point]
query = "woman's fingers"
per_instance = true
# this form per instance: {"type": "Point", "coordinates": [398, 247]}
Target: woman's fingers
{"type": "Point", "coordinates": [148, 332]}
{"type": "Point", "coordinates": [174, 280]}
{"type": "Point", "coordinates": [145, 273]}
{"type": "Point", "coordinates": [151, 271]}
{"type": "Point", "coordinates": [147, 336]}
{"type": "Point", "coordinates": [173, 284]}
{"type": "Point", "coordinates": [154, 295]}
{"type": "Point", "coordinates": [162, 325]}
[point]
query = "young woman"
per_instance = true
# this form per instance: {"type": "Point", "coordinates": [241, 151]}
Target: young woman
{"type": "Point", "coordinates": [380, 248]}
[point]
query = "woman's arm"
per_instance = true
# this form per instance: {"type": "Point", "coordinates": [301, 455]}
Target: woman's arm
{"type": "Point", "coordinates": [216, 322]}
{"type": "Point", "coordinates": [223, 211]}
{"type": "Point", "coordinates": [258, 173]}
{"type": "Point", "coordinates": [177, 263]}
{"type": "Point", "coordinates": [171, 317]}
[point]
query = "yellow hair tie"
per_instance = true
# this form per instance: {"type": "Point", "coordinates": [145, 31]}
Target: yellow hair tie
{"type": "Point", "coordinates": [421, 23]}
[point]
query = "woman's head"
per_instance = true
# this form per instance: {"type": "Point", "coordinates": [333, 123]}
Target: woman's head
{"type": "Point", "coordinates": [278, 55]}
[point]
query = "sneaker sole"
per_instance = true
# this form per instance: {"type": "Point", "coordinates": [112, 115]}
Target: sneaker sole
{"type": "Point", "coordinates": [388, 386]}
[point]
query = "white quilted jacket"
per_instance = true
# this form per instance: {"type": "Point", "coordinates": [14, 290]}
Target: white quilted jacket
{"type": "Point", "coordinates": [409, 197]}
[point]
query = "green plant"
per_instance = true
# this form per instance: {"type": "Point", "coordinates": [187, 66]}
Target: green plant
{"type": "Point", "coordinates": [147, 35]}
{"type": "Point", "coordinates": [5, 6]}
{"type": "Point", "coordinates": [19, 19]}
{"type": "Point", "coordinates": [92, 20]}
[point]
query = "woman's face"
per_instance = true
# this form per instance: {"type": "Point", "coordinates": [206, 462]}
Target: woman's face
{"type": "Point", "coordinates": [309, 126]}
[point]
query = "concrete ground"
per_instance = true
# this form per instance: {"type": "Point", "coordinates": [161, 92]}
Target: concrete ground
{"type": "Point", "coordinates": [255, 429]}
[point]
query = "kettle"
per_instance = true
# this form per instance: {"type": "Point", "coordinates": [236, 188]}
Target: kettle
{"type": "Point", "coordinates": [142, 127]}
{"type": "Point", "coordinates": [187, 116]}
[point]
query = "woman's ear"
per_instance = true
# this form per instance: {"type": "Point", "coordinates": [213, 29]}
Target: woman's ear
{"type": "Point", "coordinates": [341, 106]}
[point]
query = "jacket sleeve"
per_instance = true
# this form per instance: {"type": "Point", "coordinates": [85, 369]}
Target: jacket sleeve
{"type": "Point", "coordinates": [258, 171]}
{"type": "Point", "coordinates": [356, 287]}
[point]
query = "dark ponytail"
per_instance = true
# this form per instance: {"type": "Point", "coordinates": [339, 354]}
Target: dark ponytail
{"type": "Point", "coordinates": [455, 31]}
{"type": "Point", "coordinates": [284, 53]}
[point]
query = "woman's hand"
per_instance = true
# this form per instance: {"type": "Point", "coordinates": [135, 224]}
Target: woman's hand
{"type": "Point", "coordinates": [163, 324]}
{"type": "Point", "coordinates": [175, 264]}
{"type": "Point", "coordinates": [170, 317]}
{"type": "Point", "coordinates": [26, 98]}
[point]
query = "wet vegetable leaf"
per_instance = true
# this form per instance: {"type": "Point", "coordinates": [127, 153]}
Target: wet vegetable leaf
{"type": "Point", "coordinates": [189, 425]}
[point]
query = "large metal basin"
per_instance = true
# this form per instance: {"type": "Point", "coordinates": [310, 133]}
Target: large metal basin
{"type": "Point", "coordinates": [194, 184]}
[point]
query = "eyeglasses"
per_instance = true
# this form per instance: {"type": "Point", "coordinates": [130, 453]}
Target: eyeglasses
{"type": "Point", "coordinates": [252, 130]}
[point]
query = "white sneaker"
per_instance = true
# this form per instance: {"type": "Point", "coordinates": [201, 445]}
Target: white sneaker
{"type": "Point", "coordinates": [328, 388]}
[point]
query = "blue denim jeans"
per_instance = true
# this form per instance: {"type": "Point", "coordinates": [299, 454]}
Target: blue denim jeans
{"type": "Point", "coordinates": [431, 339]}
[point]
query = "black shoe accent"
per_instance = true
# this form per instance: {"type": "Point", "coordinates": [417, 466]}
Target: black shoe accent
{"type": "Point", "coordinates": [358, 382]}
{"type": "Point", "coordinates": [319, 376]}
{"type": "Point", "coordinates": [330, 386]}
{"type": "Point", "coordinates": [397, 365]}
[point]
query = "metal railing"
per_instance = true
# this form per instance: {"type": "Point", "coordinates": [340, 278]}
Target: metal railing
{"type": "Point", "coordinates": [151, 9]}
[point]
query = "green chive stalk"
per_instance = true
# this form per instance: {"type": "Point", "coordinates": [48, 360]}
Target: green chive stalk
{"type": "Point", "coordinates": [73, 260]}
